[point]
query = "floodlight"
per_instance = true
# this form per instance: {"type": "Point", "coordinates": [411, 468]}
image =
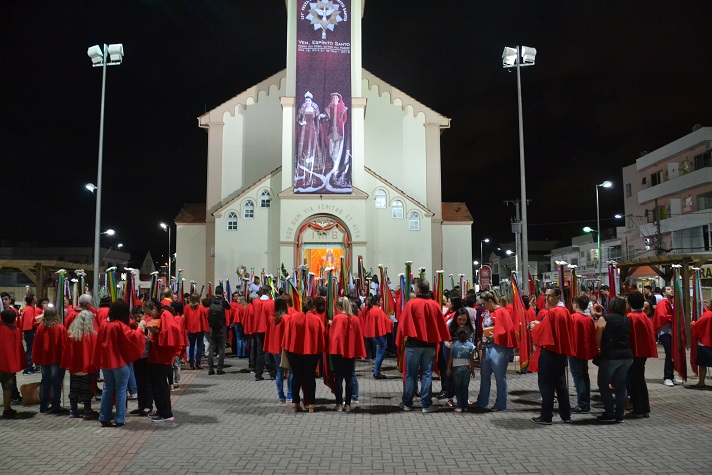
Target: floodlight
{"type": "Point", "coordinates": [96, 55]}
{"type": "Point", "coordinates": [528, 54]}
{"type": "Point", "coordinates": [116, 52]}
{"type": "Point", "coordinates": [509, 57]}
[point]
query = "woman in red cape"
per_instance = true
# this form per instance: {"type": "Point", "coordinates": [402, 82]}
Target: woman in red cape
{"type": "Point", "coordinates": [78, 359]}
{"type": "Point", "coordinates": [196, 324]}
{"type": "Point", "coordinates": [273, 345]}
{"type": "Point", "coordinates": [47, 352]}
{"type": "Point", "coordinates": [377, 325]}
{"type": "Point", "coordinates": [642, 342]}
{"type": "Point", "coordinates": [702, 333]}
{"type": "Point", "coordinates": [304, 341]}
{"type": "Point", "coordinates": [12, 359]}
{"type": "Point", "coordinates": [117, 345]}
{"type": "Point", "coordinates": [345, 345]}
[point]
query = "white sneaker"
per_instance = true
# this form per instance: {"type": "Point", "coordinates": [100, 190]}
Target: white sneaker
{"type": "Point", "coordinates": [677, 381]}
{"type": "Point", "coordinates": [668, 382]}
{"type": "Point", "coordinates": [404, 407]}
{"type": "Point", "coordinates": [428, 409]}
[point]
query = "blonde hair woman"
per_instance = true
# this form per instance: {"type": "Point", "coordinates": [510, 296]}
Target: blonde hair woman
{"type": "Point", "coordinates": [77, 358]}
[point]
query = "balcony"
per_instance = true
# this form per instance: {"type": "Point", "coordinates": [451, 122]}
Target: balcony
{"type": "Point", "coordinates": [686, 182]}
{"type": "Point", "coordinates": [678, 223]}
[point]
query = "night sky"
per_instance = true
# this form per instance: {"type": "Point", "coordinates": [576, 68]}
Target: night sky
{"type": "Point", "coordinates": [612, 79]}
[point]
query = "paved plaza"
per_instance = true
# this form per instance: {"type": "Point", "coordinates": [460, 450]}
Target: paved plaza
{"type": "Point", "coordinates": [233, 424]}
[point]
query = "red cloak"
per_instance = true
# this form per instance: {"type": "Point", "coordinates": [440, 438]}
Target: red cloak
{"type": "Point", "coordinates": [194, 319]}
{"type": "Point", "coordinates": [642, 336]}
{"type": "Point", "coordinates": [263, 310]}
{"type": "Point", "coordinates": [275, 334]}
{"type": "Point", "coordinates": [345, 337]}
{"type": "Point", "coordinates": [305, 334]}
{"type": "Point", "coordinates": [117, 345]}
{"type": "Point", "coordinates": [78, 356]}
{"type": "Point", "coordinates": [12, 353]}
{"type": "Point", "coordinates": [584, 336]}
{"type": "Point", "coordinates": [541, 303]}
{"type": "Point", "coordinates": [554, 333]}
{"type": "Point", "coordinates": [237, 310]}
{"type": "Point", "coordinates": [248, 318]}
{"type": "Point", "coordinates": [27, 318]}
{"type": "Point", "coordinates": [422, 320]}
{"type": "Point", "coordinates": [376, 323]}
{"type": "Point", "coordinates": [48, 345]}
{"type": "Point", "coordinates": [102, 315]}
{"type": "Point", "coordinates": [702, 329]}
{"type": "Point", "coordinates": [504, 332]}
{"type": "Point", "coordinates": [663, 314]}
{"type": "Point", "coordinates": [167, 342]}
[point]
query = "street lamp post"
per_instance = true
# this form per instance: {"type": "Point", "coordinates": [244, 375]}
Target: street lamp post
{"type": "Point", "coordinates": [482, 256]}
{"type": "Point", "coordinates": [111, 55]}
{"type": "Point", "coordinates": [168, 228]}
{"type": "Point", "coordinates": [605, 184]}
{"type": "Point", "coordinates": [516, 58]}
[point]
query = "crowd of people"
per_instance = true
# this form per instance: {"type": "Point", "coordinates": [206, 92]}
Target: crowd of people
{"type": "Point", "coordinates": [138, 348]}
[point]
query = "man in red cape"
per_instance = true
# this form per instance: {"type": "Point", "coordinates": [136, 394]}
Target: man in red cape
{"type": "Point", "coordinates": [263, 308]}
{"type": "Point", "coordinates": [585, 349]}
{"type": "Point", "coordinates": [662, 322]}
{"type": "Point", "coordinates": [702, 336]}
{"type": "Point", "coordinates": [553, 336]}
{"type": "Point", "coordinates": [12, 358]}
{"type": "Point", "coordinates": [642, 343]}
{"type": "Point", "coordinates": [420, 328]}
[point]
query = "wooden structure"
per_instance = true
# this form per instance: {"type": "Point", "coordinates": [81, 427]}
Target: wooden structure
{"type": "Point", "coordinates": [39, 270]}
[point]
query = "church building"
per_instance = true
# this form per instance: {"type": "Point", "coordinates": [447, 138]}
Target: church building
{"type": "Point", "coordinates": [323, 160]}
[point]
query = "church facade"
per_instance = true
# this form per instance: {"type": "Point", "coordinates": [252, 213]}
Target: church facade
{"type": "Point", "coordinates": [257, 214]}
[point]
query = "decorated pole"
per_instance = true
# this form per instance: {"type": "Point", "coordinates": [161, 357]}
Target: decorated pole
{"type": "Point", "coordinates": [679, 341]}
{"type": "Point", "coordinates": [408, 273]}
{"type": "Point", "coordinates": [62, 274]}
{"type": "Point", "coordinates": [698, 308]}
{"type": "Point", "coordinates": [111, 283]}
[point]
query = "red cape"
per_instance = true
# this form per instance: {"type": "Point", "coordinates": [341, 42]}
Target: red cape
{"type": "Point", "coordinates": [584, 336]}
{"type": "Point", "coordinates": [541, 303]}
{"type": "Point", "coordinates": [27, 318]}
{"type": "Point", "coordinates": [422, 320]}
{"type": "Point", "coordinates": [102, 315]}
{"type": "Point", "coordinates": [237, 310]}
{"type": "Point", "coordinates": [195, 319]}
{"type": "Point", "coordinates": [78, 356]}
{"type": "Point", "coordinates": [504, 332]}
{"type": "Point", "coordinates": [248, 318]}
{"type": "Point", "coordinates": [305, 334]}
{"type": "Point", "coordinates": [642, 336]}
{"type": "Point", "coordinates": [12, 353]}
{"type": "Point", "coordinates": [48, 345]}
{"type": "Point", "coordinates": [345, 337]}
{"type": "Point", "coordinates": [117, 345]}
{"type": "Point", "coordinates": [376, 323]}
{"type": "Point", "coordinates": [275, 334]}
{"type": "Point", "coordinates": [166, 343]}
{"type": "Point", "coordinates": [72, 315]}
{"type": "Point", "coordinates": [702, 329]}
{"type": "Point", "coordinates": [555, 332]}
{"type": "Point", "coordinates": [263, 309]}
{"type": "Point", "coordinates": [663, 314]}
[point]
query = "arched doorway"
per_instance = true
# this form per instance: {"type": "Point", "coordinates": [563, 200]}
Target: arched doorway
{"type": "Point", "coordinates": [321, 242]}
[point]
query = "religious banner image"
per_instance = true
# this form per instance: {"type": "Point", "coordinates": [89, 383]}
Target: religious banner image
{"type": "Point", "coordinates": [322, 149]}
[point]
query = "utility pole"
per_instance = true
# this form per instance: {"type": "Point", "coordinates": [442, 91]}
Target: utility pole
{"type": "Point", "coordinates": [517, 230]}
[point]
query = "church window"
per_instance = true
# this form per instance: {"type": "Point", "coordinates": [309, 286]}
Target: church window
{"type": "Point", "coordinates": [414, 221]}
{"type": "Point", "coordinates": [380, 198]}
{"type": "Point", "coordinates": [232, 221]}
{"type": "Point", "coordinates": [249, 210]}
{"type": "Point", "coordinates": [265, 199]}
{"type": "Point", "coordinates": [397, 209]}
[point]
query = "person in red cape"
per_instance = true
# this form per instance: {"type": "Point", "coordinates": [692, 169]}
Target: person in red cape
{"type": "Point", "coordinates": [642, 343]}
{"type": "Point", "coordinates": [12, 359]}
{"type": "Point", "coordinates": [702, 332]}
{"type": "Point", "coordinates": [102, 313]}
{"type": "Point", "coordinates": [499, 338]}
{"type": "Point", "coordinates": [345, 345]}
{"type": "Point", "coordinates": [263, 308]}
{"type": "Point", "coordinates": [235, 318]}
{"type": "Point", "coordinates": [78, 359]}
{"type": "Point", "coordinates": [420, 329]}
{"type": "Point", "coordinates": [28, 327]}
{"type": "Point", "coordinates": [553, 337]}
{"type": "Point", "coordinates": [662, 322]}
{"type": "Point", "coordinates": [47, 352]}
{"type": "Point", "coordinates": [273, 345]}
{"type": "Point", "coordinates": [248, 318]}
{"type": "Point", "coordinates": [540, 304]}
{"type": "Point", "coordinates": [180, 352]}
{"type": "Point", "coordinates": [166, 339]}
{"type": "Point", "coordinates": [196, 324]}
{"type": "Point", "coordinates": [84, 302]}
{"type": "Point", "coordinates": [304, 341]}
{"type": "Point", "coordinates": [117, 345]}
{"type": "Point", "coordinates": [585, 349]}
{"type": "Point", "coordinates": [377, 325]}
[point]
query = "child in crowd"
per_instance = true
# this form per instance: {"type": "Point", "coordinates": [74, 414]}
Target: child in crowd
{"type": "Point", "coordinates": [12, 359]}
{"type": "Point", "coordinates": [460, 366]}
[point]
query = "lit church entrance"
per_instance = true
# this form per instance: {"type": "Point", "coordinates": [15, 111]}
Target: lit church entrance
{"type": "Point", "coordinates": [321, 243]}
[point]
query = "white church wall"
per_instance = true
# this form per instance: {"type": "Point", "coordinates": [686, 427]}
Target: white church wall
{"type": "Point", "coordinates": [190, 251]}
{"type": "Point", "coordinates": [457, 249]}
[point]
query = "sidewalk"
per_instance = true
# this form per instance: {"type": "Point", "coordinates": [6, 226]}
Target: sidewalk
{"type": "Point", "coordinates": [233, 424]}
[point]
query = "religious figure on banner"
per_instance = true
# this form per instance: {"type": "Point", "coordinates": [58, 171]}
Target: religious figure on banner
{"type": "Point", "coordinates": [308, 142]}
{"type": "Point", "coordinates": [333, 128]}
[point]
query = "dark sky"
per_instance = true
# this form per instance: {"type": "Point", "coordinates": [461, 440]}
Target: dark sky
{"type": "Point", "coordinates": [611, 79]}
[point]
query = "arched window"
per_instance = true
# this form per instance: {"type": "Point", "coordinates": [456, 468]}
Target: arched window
{"type": "Point", "coordinates": [397, 209]}
{"type": "Point", "coordinates": [265, 199]}
{"type": "Point", "coordinates": [414, 221]}
{"type": "Point", "coordinates": [232, 221]}
{"type": "Point", "coordinates": [380, 198]}
{"type": "Point", "coordinates": [249, 208]}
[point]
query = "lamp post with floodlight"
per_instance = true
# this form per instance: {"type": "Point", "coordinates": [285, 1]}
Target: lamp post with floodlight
{"type": "Point", "coordinates": [168, 228]}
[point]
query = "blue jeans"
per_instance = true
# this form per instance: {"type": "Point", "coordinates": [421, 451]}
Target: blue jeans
{"type": "Point", "coordinates": [131, 386]}
{"type": "Point", "coordinates": [617, 371]}
{"type": "Point", "coordinates": [495, 359]}
{"type": "Point", "coordinates": [380, 342]}
{"type": "Point", "coordinates": [196, 346]}
{"type": "Point", "coordinates": [582, 382]}
{"type": "Point", "coordinates": [279, 379]}
{"type": "Point", "coordinates": [52, 379]}
{"type": "Point", "coordinates": [669, 369]}
{"type": "Point", "coordinates": [419, 359]}
{"type": "Point", "coordinates": [115, 382]}
{"type": "Point", "coordinates": [239, 337]}
{"type": "Point", "coordinates": [461, 379]}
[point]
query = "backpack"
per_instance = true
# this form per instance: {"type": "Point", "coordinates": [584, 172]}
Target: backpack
{"type": "Point", "coordinates": [216, 314]}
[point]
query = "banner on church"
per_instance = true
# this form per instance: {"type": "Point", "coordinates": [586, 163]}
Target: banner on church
{"type": "Point", "coordinates": [322, 149]}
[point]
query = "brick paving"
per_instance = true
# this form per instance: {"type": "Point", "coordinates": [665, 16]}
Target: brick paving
{"type": "Point", "coordinates": [233, 424]}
